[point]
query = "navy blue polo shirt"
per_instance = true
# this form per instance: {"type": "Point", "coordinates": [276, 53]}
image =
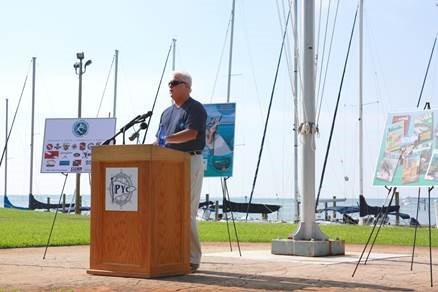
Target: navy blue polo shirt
{"type": "Point", "coordinates": [191, 115]}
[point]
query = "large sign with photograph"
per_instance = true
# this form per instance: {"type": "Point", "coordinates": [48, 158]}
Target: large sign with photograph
{"type": "Point", "coordinates": [409, 150]}
{"type": "Point", "coordinates": [68, 142]}
{"type": "Point", "coordinates": [219, 148]}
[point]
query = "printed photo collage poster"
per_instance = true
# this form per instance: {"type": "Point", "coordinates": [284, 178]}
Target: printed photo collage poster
{"type": "Point", "coordinates": [67, 143]}
{"type": "Point", "coordinates": [409, 150]}
{"type": "Point", "coordinates": [219, 148]}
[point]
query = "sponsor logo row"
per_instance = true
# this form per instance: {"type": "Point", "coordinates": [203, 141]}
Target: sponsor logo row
{"type": "Point", "coordinates": [71, 146]}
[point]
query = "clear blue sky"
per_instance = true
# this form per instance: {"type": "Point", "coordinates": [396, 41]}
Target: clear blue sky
{"type": "Point", "coordinates": [398, 41]}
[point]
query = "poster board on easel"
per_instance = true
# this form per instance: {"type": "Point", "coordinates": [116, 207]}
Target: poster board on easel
{"type": "Point", "coordinates": [68, 142]}
{"type": "Point", "coordinates": [218, 154]}
{"type": "Point", "coordinates": [409, 150]}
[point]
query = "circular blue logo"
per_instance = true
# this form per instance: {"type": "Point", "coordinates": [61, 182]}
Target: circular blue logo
{"type": "Point", "coordinates": [121, 189]}
{"type": "Point", "coordinates": [80, 128]}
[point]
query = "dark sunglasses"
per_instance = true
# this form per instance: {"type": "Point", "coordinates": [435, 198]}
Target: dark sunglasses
{"type": "Point", "coordinates": [173, 83]}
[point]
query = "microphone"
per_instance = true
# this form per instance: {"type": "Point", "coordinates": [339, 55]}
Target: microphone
{"type": "Point", "coordinates": [134, 136]}
{"type": "Point", "coordinates": [130, 124]}
{"type": "Point", "coordinates": [146, 115]}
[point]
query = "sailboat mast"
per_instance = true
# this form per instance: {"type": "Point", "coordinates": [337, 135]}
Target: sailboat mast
{"type": "Point", "coordinates": [360, 97]}
{"type": "Point", "coordinates": [307, 228]}
{"type": "Point", "coordinates": [307, 124]}
{"type": "Point", "coordinates": [32, 126]}
{"type": "Point", "coordinates": [173, 53]}
{"type": "Point", "coordinates": [295, 93]}
{"type": "Point", "coordinates": [230, 60]}
{"type": "Point", "coordinates": [116, 69]}
{"type": "Point", "coordinates": [6, 151]}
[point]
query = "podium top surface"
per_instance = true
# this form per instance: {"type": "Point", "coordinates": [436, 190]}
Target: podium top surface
{"type": "Point", "coordinates": [136, 152]}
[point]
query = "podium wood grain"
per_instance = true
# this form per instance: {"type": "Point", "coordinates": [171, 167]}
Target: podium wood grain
{"type": "Point", "coordinates": [154, 241]}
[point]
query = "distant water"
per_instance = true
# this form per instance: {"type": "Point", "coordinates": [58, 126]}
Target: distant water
{"type": "Point", "coordinates": [23, 200]}
{"type": "Point", "coordinates": [286, 212]}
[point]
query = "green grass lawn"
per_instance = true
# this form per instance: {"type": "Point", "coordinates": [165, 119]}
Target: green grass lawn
{"type": "Point", "coordinates": [353, 234]}
{"type": "Point", "coordinates": [31, 228]}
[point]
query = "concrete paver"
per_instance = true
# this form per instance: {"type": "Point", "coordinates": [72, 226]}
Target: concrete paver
{"type": "Point", "coordinates": [388, 269]}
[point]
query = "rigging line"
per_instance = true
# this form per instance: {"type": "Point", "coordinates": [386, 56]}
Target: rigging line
{"type": "Point", "coordinates": [299, 89]}
{"type": "Point", "coordinates": [287, 52]}
{"type": "Point", "coordinates": [281, 16]}
{"type": "Point", "coordinates": [323, 52]}
{"type": "Point", "coordinates": [291, 70]}
{"type": "Point", "coordinates": [319, 30]}
{"type": "Point", "coordinates": [335, 113]}
{"type": "Point", "coordinates": [298, 69]}
{"type": "Point", "coordinates": [106, 84]}
{"type": "Point", "coordinates": [158, 90]}
{"type": "Point", "coordinates": [268, 114]}
{"type": "Point", "coordinates": [327, 65]}
{"type": "Point", "coordinates": [427, 71]}
{"type": "Point", "coordinates": [220, 60]}
{"type": "Point", "coordinates": [250, 59]}
{"type": "Point", "coordinates": [15, 114]}
{"type": "Point", "coordinates": [251, 63]}
{"type": "Point", "coordinates": [292, 6]}
{"type": "Point", "coordinates": [378, 66]}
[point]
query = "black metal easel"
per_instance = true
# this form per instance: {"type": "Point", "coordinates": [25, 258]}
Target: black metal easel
{"type": "Point", "coordinates": [426, 107]}
{"type": "Point", "coordinates": [429, 189]}
{"type": "Point", "coordinates": [382, 215]}
{"type": "Point", "coordinates": [56, 214]}
{"type": "Point", "coordinates": [226, 196]}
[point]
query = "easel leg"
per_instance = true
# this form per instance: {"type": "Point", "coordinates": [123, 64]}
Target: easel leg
{"type": "Point", "coordinates": [226, 195]}
{"type": "Point", "coordinates": [415, 231]}
{"type": "Point", "coordinates": [369, 237]}
{"type": "Point", "coordinates": [225, 212]}
{"type": "Point", "coordinates": [430, 239]}
{"type": "Point", "coordinates": [54, 218]}
{"type": "Point", "coordinates": [383, 216]}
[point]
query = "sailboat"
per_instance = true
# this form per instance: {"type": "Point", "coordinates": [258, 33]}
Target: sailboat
{"type": "Point", "coordinates": [33, 202]}
{"type": "Point", "coordinates": [6, 202]}
{"type": "Point", "coordinates": [221, 152]}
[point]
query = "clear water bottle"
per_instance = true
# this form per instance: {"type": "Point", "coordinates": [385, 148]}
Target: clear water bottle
{"type": "Point", "coordinates": [162, 136]}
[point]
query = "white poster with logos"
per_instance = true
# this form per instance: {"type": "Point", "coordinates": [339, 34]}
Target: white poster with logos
{"type": "Point", "coordinates": [121, 192]}
{"type": "Point", "coordinates": [68, 142]}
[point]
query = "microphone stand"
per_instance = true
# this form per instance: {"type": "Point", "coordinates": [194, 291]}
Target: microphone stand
{"type": "Point", "coordinates": [136, 134]}
{"type": "Point", "coordinates": [138, 119]}
{"type": "Point", "coordinates": [123, 130]}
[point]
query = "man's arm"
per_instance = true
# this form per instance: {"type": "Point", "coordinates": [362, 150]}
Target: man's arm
{"type": "Point", "coordinates": [182, 136]}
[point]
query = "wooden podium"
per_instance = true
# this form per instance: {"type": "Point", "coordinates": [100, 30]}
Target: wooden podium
{"type": "Point", "coordinates": [152, 238]}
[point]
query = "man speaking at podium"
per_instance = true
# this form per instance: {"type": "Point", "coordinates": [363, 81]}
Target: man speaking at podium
{"type": "Point", "coordinates": [182, 127]}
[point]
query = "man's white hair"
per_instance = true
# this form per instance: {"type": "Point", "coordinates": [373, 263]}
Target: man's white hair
{"type": "Point", "coordinates": [184, 76]}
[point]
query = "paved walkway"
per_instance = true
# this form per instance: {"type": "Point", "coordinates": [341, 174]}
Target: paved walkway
{"type": "Point", "coordinates": [388, 269]}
